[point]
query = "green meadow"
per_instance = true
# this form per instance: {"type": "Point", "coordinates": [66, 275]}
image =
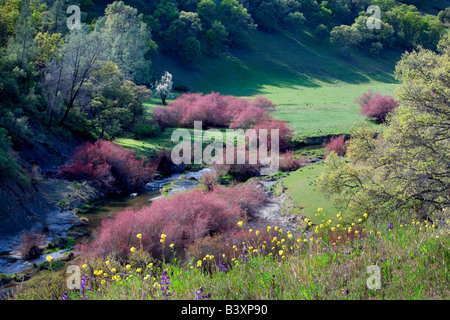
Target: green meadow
{"type": "Point", "coordinates": [312, 85]}
{"type": "Point", "coordinates": [303, 191]}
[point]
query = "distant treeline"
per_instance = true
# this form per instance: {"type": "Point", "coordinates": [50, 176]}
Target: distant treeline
{"type": "Point", "coordinates": [192, 28]}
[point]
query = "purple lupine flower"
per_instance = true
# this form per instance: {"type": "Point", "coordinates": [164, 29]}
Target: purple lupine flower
{"type": "Point", "coordinates": [65, 296]}
{"type": "Point", "coordinates": [391, 226]}
{"type": "Point", "coordinates": [83, 286]}
{"type": "Point", "coordinates": [201, 296]}
{"type": "Point", "coordinates": [223, 267]}
{"type": "Point", "coordinates": [244, 256]}
{"type": "Point", "coordinates": [165, 283]}
{"type": "Point", "coordinates": [261, 249]}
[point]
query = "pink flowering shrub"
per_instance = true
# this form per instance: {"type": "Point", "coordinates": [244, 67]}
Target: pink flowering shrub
{"type": "Point", "coordinates": [337, 144]}
{"type": "Point", "coordinates": [183, 218]}
{"type": "Point", "coordinates": [214, 110]}
{"type": "Point", "coordinates": [285, 132]}
{"type": "Point", "coordinates": [366, 97]}
{"type": "Point", "coordinates": [109, 166]}
{"type": "Point", "coordinates": [289, 162]}
{"type": "Point", "coordinates": [379, 107]}
{"type": "Point", "coordinates": [263, 103]}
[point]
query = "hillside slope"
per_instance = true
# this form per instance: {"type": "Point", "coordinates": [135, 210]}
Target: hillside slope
{"type": "Point", "coordinates": [313, 86]}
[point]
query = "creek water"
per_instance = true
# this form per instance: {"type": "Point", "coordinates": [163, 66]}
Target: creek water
{"type": "Point", "coordinates": [60, 222]}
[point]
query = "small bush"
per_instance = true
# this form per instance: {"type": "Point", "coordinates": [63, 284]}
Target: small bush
{"type": "Point", "coordinates": [336, 144]}
{"type": "Point", "coordinates": [289, 162]}
{"type": "Point", "coordinates": [31, 244]}
{"type": "Point", "coordinates": [208, 181]}
{"type": "Point", "coordinates": [109, 166]}
{"type": "Point", "coordinates": [366, 97]}
{"type": "Point", "coordinates": [240, 172]}
{"type": "Point", "coordinates": [285, 132]}
{"type": "Point", "coordinates": [379, 107]}
{"type": "Point", "coordinates": [263, 103]}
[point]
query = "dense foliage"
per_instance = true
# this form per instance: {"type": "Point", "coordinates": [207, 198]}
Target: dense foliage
{"type": "Point", "coordinates": [188, 29]}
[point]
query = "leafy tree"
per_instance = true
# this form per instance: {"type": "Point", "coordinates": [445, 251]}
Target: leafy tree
{"type": "Point", "coordinates": [191, 50]}
{"type": "Point", "coordinates": [295, 20]}
{"type": "Point", "coordinates": [370, 36]}
{"type": "Point", "coordinates": [165, 13]}
{"type": "Point", "coordinates": [345, 36]}
{"type": "Point", "coordinates": [236, 20]}
{"type": "Point", "coordinates": [444, 15]}
{"type": "Point", "coordinates": [9, 14]}
{"type": "Point", "coordinates": [112, 102]}
{"type": "Point", "coordinates": [80, 56]}
{"type": "Point", "coordinates": [216, 38]}
{"type": "Point", "coordinates": [56, 20]}
{"type": "Point", "coordinates": [48, 46]}
{"type": "Point", "coordinates": [265, 15]}
{"type": "Point", "coordinates": [207, 10]}
{"type": "Point", "coordinates": [321, 32]}
{"type": "Point", "coordinates": [126, 40]}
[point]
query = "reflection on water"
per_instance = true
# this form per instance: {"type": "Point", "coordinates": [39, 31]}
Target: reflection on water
{"type": "Point", "coordinates": [107, 208]}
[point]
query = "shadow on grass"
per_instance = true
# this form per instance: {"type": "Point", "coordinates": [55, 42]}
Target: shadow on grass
{"type": "Point", "coordinates": [282, 60]}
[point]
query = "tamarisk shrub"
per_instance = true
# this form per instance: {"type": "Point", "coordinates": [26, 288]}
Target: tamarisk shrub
{"type": "Point", "coordinates": [379, 107]}
{"type": "Point", "coordinates": [366, 97]}
{"type": "Point", "coordinates": [109, 166]}
{"type": "Point", "coordinates": [184, 218]}
{"type": "Point", "coordinates": [336, 144]}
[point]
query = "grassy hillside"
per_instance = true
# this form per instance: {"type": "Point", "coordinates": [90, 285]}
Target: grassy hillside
{"type": "Point", "coordinates": [313, 86]}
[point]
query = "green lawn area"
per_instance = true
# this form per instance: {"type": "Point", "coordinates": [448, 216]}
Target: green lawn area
{"type": "Point", "coordinates": [148, 146]}
{"type": "Point", "coordinates": [313, 86]}
{"type": "Point", "coordinates": [305, 194]}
